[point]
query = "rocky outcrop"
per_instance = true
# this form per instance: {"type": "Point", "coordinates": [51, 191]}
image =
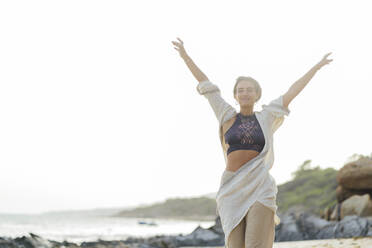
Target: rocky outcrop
{"type": "Point", "coordinates": [33, 241]}
{"type": "Point", "coordinates": [309, 227]}
{"type": "Point", "coordinates": [343, 193]}
{"type": "Point", "coordinates": [354, 191]}
{"type": "Point", "coordinates": [356, 175]}
{"type": "Point", "coordinates": [201, 237]}
{"type": "Point", "coordinates": [357, 205]}
{"type": "Point", "coordinates": [294, 226]}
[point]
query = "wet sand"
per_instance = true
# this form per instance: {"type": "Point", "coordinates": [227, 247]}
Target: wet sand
{"type": "Point", "coordinates": [362, 242]}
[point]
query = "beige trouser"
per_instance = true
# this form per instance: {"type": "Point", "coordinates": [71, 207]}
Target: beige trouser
{"type": "Point", "coordinates": [256, 230]}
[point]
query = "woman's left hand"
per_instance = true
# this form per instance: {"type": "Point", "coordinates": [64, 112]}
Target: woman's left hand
{"type": "Point", "coordinates": [324, 61]}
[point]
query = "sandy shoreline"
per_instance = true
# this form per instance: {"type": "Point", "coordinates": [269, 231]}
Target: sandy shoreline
{"type": "Point", "coordinates": [360, 242]}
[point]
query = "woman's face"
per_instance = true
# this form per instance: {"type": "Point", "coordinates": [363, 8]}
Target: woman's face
{"type": "Point", "coordinates": [245, 93]}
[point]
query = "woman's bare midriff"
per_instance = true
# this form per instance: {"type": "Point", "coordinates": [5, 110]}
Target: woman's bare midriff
{"type": "Point", "coordinates": [236, 159]}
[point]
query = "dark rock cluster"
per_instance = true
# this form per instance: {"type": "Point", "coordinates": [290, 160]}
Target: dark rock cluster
{"type": "Point", "coordinates": [305, 226]}
{"type": "Point", "coordinates": [293, 227]}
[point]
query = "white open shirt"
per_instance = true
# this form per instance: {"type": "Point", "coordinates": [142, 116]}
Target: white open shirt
{"type": "Point", "coordinates": [252, 182]}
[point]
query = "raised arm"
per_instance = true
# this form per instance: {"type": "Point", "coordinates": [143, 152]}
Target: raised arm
{"type": "Point", "coordinates": [298, 86]}
{"type": "Point", "coordinates": [198, 74]}
{"type": "Point", "coordinates": [222, 110]}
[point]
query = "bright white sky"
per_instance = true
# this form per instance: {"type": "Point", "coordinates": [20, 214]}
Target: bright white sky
{"type": "Point", "coordinates": [97, 109]}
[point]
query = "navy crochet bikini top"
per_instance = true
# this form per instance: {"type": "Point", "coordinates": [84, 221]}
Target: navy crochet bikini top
{"type": "Point", "coordinates": [245, 134]}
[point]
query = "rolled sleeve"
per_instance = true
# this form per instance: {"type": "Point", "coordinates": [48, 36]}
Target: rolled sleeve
{"type": "Point", "coordinates": [222, 110]}
{"type": "Point", "coordinates": [275, 112]}
{"type": "Point", "coordinates": [206, 87]}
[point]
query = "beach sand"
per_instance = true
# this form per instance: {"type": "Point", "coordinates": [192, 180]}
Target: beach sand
{"type": "Point", "coordinates": [360, 242]}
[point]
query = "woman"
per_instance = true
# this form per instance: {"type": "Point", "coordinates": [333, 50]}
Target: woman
{"type": "Point", "coordinates": [246, 199]}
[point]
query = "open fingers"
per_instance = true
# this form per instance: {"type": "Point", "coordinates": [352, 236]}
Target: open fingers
{"type": "Point", "coordinates": [176, 44]}
{"type": "Point", "coordinates": [180, 40]}
{"type": "Point", "coordinates": [327, 61]}
{"type": "Point", "coordinates": [325, 56]}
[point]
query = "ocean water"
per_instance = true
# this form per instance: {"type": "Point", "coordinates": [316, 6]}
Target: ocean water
{"type": "Point", "coordinates": [78, 228]}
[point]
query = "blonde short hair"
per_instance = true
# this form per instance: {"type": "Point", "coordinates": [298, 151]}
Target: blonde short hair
{"type": "Point", "coordinates": [250, 79]}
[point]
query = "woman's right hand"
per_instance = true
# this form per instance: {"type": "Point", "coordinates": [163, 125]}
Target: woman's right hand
{"type": "Point", "coordinates": [198, 74]}
{"type": "Point", "coordinates": [179, 47]}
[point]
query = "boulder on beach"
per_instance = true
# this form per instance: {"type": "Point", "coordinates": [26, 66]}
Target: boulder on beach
{"type": "Point", "coordinates": [306, 226]}
{"type": "Point", "coordinates": [200, 237]}
{"type": "Point", "coordinates": [357, 205]}
{"type": "Point", "coordinates": [288, 229]}
{"type": "Point", "coordinates": [343, 193]}
{"type": "Point", "coordinates": [356, 174]}
{"type": "Point", "coordinates": [217, 227]}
